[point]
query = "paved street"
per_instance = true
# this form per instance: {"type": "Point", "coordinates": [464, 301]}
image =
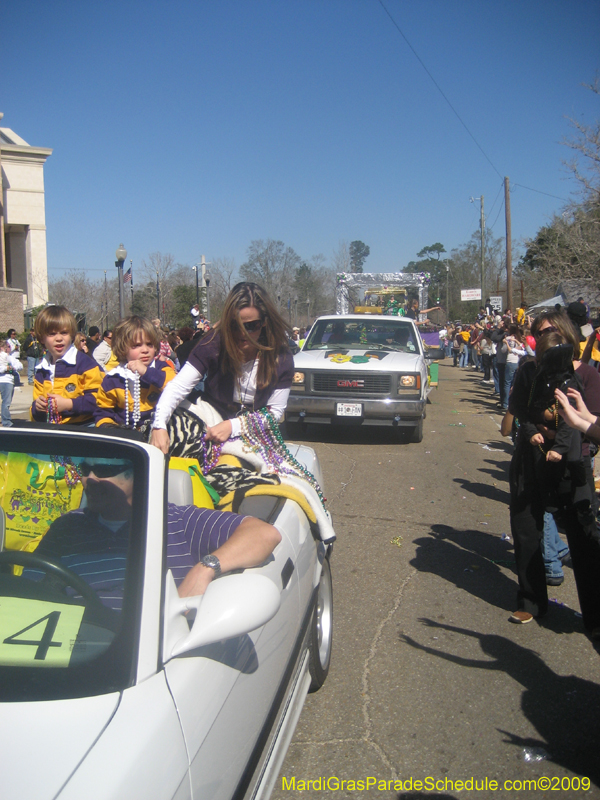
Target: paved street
{"type": "Point", "coordinates": [428, 676]}
{"type": "Point", "coordinates": [22, 399]}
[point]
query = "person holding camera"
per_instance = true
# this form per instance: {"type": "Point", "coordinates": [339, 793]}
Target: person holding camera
{"type": "Point", "coordinates": [572, 497]}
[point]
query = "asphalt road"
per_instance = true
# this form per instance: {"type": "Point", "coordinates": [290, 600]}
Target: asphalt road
{"type": "Point", "coordinates": [429, 679]}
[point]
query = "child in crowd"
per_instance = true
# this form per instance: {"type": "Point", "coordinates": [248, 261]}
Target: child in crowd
{"type": "Point", "coordinates": [130, 391]}
{"type": "Point", "coordinates": [9, 366]}
{"type": "Point", "coordinates": [67, 379]}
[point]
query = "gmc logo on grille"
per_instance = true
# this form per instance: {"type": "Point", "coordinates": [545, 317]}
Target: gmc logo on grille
{"type": "Point", "coordinates": [351, 384]}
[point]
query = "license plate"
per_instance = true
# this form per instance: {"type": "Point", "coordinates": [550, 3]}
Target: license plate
{"type": "Point", "coordinates": [349, 409]}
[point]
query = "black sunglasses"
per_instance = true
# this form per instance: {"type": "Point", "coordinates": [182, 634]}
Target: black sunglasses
{"type": "Point", "coordinates": [102, 470]}
{"type": "Point", "coordinates": [253, 326]}
{"type": "Point", "coordinates": [544, 331]}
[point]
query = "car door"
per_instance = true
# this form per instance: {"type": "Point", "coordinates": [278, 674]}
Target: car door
{"type": "Point", "coordinates": [224, 692]}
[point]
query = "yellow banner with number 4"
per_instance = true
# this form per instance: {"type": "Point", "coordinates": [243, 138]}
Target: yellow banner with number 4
{"type": "Point", "coordinates": [36, 633]}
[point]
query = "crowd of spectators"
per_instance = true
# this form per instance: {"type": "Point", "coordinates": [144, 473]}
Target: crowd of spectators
{"type": "Point", "coordinates": [544, 371]}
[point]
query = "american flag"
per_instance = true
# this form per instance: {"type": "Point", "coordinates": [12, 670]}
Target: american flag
{"type": "Point", "coordinates": [127, 276]}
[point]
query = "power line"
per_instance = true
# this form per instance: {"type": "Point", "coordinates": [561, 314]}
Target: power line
{"type": "Point", "coordinates": [438, 87]}
{"type": "Point", "coordinates": [489, 214]}
{"type": "Point", "coordinates": [491, 227]}
{"type": "Point", "coordinates": [556, 197]}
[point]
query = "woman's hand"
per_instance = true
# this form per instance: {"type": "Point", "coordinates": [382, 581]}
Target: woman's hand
{"type": "Point", "coordinates": [219, 433]}
{"type": "Point", "coordinates": [160, 438]}
{"type": "Point", "coordinates": [579, 418]}
{"type": "Point", "coordinates": [552, 456]}
{"type": "Point", "coordinates": [580, 405]}
{"type": "Point", "coordinates": [536, 439]}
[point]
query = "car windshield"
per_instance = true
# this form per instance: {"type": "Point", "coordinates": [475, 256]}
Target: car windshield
{"type": "Point", "coordinates": [378, 333]}
{"type": "Point", "coordinates": [72, 520]}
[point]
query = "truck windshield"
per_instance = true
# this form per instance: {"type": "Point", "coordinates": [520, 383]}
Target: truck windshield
{"type": "Point", "coordinates": [380, 333]}
{"type": "Point", "coordinates": [72, 519]}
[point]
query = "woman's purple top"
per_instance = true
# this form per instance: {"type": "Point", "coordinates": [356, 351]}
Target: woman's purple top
{"type": "Point", "coordinates": [219, 387]}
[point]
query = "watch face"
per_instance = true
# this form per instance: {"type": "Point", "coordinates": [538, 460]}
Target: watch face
{"type": "Point", "coordinates": [212, 562]}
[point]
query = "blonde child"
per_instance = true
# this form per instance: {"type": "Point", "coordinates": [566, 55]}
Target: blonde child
{"type": "Point", "coordinates": [130, 391]}
{"type": "Point", "coordinates": [67, 379]}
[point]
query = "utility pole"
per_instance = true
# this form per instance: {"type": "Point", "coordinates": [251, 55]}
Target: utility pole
{"type": "Point", "coordinates": [482, 225]}
{"type": "Point", "coordinates": [509, 286]}
{"type": "Point", "coordinates": [203, 265]}
{"type": "Point", "coordinates": [447, 303]}
{"type": "Point", "coordinates": [131, 281]}
{"type": "Point", "coordinates": [105, 303]}
{"type": "Point", "coordinates": [157, 296]}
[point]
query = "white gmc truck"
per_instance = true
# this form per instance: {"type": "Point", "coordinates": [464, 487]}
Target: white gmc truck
{"type": "Point", "coordinates": [362, 370]}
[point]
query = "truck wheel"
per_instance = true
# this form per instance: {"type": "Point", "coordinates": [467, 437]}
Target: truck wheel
{"type": "Point", "coordinates": [416, 434]}
{"type": "Point", "coordinates": [321, 633]}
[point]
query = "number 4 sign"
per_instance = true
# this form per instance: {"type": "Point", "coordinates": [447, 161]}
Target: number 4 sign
{"type": "Point", "coordinates": [35, 633]}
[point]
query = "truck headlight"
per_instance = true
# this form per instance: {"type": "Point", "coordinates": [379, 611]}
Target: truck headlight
{"type": "Point", "coordinates": [406, 383]}
{"type": "Point", "coordinates": [298, 378]}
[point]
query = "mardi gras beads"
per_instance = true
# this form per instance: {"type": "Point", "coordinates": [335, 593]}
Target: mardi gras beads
{"type": "Point", "coordinates": [64, 469]}
{"type": "Point", "coordinates": [261, 435]}
{"type": "Point", "coordinates": [52, 415]}
{"type": "Point", "coordinates": [135, 379]}
{"type": "Point", "coordinates": [209, 462]}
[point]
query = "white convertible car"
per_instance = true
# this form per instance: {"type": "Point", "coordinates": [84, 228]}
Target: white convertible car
{"type": "Point", "coordinates": [137, 697]}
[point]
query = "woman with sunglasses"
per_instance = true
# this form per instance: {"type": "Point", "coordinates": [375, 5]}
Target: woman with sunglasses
{"type": "Point", "coordinates": [245, 364]}
{"type": "Point", "coordinates": [526, 505]}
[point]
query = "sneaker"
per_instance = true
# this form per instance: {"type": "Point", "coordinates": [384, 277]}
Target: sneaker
{"type": "Point", "coordinates": [521, 617]}
{"type": "Point", "coordinates": [554, 580]}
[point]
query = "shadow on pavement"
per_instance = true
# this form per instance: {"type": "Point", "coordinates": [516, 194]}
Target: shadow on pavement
{"type": "Point", "coordinates": [563, 709]}
{"type": "Point", "coordinates": [484, 490]}
{"type": "Point", "coordinates": [472, 560]}
{"type": "Point", "coordinates": [466, 558]}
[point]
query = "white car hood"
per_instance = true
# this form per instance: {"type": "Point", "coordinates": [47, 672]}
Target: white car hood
{"type": "Point", "coordinates": [390, 361]}
{"type": "Point", "coordinates": [42, 743]}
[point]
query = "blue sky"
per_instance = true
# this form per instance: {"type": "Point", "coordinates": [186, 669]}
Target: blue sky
{"type": "Point", "coordinates": [195, 127]}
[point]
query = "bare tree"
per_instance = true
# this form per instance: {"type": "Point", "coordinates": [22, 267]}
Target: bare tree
{"type": "Point", "coordinates": [465, 271]}
{"type": "Point", "coordinates": [223, 276]}
{"type": "Point", "coordinates": [569, 248]}
{"type": "Point", "coordinates": [273, 265]}
{"type": "Point", "coordinates": [585, 165]}
{"type": "Point", "coordinates": [97, 300]}
{"type": "Point", "coordinates": [340, 260]}
{"type": "Point", "coordinates": [161, 270]}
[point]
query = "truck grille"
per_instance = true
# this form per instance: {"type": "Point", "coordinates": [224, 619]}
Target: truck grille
{"type": "Point", "coordinates": [372, 383]}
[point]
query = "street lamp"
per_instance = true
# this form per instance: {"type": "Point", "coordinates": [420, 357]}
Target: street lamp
{"type": "Point", "coordinates": [121, 256]}
{"type": "Point", "coordinates": [207, 281]}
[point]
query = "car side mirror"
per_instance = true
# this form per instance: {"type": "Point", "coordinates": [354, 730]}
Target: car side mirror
{"type": "Point", "coordinates": [435, 353]}
{"type": "Point", "coordinates": [231, 606]}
